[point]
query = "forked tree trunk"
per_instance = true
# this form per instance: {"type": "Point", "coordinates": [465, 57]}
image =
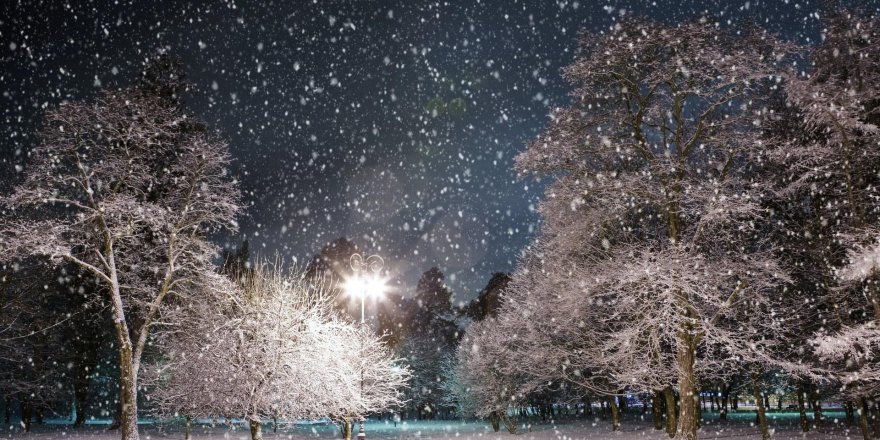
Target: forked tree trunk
{"type": "Point", "coordinates": [256, 430]}
{"type": "Point", "coordinates": [509, 423]}
{"type": "Point", "coordinates": [656, 409]}
{"type": "Point", "coordinates": [863, 418]}
{"type": "Point", "coordinates": [671, 419]}
{"type": "Point", "coordinates": [346, 429]}
{"type": "Point", "coordinates": [615, 413]}
{"type": "Point", "coordinates": [802, 409]}
{"type": "Point", "coordinates": [762, 410]}
{"type": "Point", "coordinates": [687, 419]}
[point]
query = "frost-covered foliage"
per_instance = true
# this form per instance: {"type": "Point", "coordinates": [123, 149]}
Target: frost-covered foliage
{"type": "Point", "coordinates": [828, 143]}
{"type": "Point", "coordinates": [126, 187]}
{"type": "Point", "coordinates": [488, 382]}
{"type": "Point", "coordinates": [649, 252]}
{"type": "Point", "coordinates": [270, 346]}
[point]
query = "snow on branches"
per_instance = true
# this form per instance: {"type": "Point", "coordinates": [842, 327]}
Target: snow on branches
{"type": "Point", "coordinates": [127, 188]}
{"type": "Point", "coordinates": [650, 251]}
{"type": "Point", "coordinates": [270, 346]}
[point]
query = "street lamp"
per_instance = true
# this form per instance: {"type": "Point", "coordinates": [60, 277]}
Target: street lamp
{"type": "Point", "coordinates": [365, 282]}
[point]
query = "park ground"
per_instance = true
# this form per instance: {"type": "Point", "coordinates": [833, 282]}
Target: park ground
{"type": "Point", "coordinates": [785, 427]}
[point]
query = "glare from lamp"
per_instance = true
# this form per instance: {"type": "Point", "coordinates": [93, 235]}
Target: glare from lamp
{"type": "Point", "coordinates": [359, 286]}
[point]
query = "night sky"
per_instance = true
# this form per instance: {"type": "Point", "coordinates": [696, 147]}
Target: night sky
{"type": "Point", "coordinates": [391, 123]}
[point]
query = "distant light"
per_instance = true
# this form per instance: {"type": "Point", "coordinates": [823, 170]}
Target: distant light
{"type": "Point", "coordinates": [370, 286]}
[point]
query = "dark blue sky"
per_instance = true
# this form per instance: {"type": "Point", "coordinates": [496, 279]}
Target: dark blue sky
{"type": "Point", "coordinates": [391, 123]}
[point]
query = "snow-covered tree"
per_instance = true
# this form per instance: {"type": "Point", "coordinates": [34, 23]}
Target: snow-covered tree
{"type": "Point", "coordinates": [827, 144]}
{"type": "Point", "coordinates": [486, 383]}
{"type": "Point", "coordinates": [650, 245]}
{"type": "Point", "coordinates": [268, 347]}
{"type": "Point", "coordinates": [126, 187]}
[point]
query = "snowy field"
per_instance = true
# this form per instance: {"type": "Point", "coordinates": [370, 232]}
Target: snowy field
{"type": "Point", "coordinates": [785, 427]}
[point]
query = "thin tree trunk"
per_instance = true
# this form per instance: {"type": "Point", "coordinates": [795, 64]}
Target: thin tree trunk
{"type": "Point", "coordinates": [762, 410]}
{"type": "Point", "coordinates": [26, 414]}
{"type": "Point", "coordinates": [863, 418]}
{"type": "Point", "coordinates": [805, 424]}
{"type": "Point", "coordinates": [188, 434]}
{"type": "Point", "coordinates": [875, 415]}
{"type": "Point", "coordinates": [725, 402]}
{"type": "Point", "coordinates": [697, 408]}
{"type": "Point", "coordinates": [622, 404]}
{"type": "Point", "coordinates": [656, 409]}
{"type": "Point", "coordinates": [80, 394]}
{"type": "Point", "coordinates": [671, 419]}
{"type": "Point", "coordinates": [687, 420]}
{"type": "Point", "coordinates": [817, 408]}
{"type": "Point", "coordinates": [615, 413]}
{"type": "Point", "coordinates": [849, 413]}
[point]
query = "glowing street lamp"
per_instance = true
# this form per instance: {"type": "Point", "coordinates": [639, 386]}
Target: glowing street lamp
{"type": "Point", "coordinates": [365, 282]}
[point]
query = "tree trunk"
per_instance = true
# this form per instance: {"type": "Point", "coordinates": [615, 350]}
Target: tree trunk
{"type": "Point", "coordinates": [656, 409]}
{"type": "Point", "coordinates": [26, 414]}
{"type": "Point", "coordinates": [817, 408]}
{"type": "Point", "coordinates": [805, 424]}
{"type": "Point", "coordinates": [849, 413]}
{"type": "Point", "coordinates": [615, 413]}
{"type": "Point", "coordinates": [671, 419]}
{"type": "Point", "coordinates": [80, 394]}
{"type": "Point", "coordinates": [622, 404]}
{"type": "Point", "coordinates": [725, 402]}
{"type": "Point", "coordinates": [687, 420]}
{"type": "Point", "coordinates": [493, 418]}
{"type": "Point", "coordinates": [875, 415]}
{"type": "Point", "coordinates": [7, 409]}
{"type": "Point", "coordinates": [697, 408]}
{"type": "Point", "coordinates": [342, 428]}
{"type": "Point", "coordinates": [257, 430]}
{"type": "Point", "coordinates": [762, 410]}
{"type": "Point", "coordinates": [863, 418]}
{"type": "Point", "coordinates": [128, 429]}
{"type": "Point", "coordinates": [509, 423]}
{"type": "Point", "coordinates": [188, 433]}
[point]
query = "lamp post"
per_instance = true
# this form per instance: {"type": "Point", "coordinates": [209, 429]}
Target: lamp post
{"type": "Point", "coordinates": [366, 281]}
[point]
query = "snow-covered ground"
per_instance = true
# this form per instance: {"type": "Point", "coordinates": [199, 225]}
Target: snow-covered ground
{"type": "Point", "coordinates": [785, 427]}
